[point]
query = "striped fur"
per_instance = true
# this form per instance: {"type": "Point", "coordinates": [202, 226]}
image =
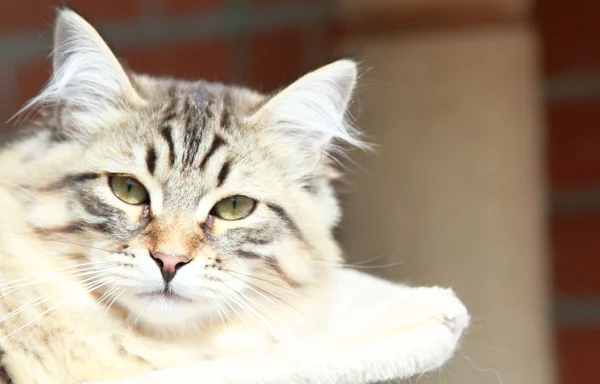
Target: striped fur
{"type": "Point", "coordinates": [99, 306]}
{"type": "Point", "coordinates": [190, 144]}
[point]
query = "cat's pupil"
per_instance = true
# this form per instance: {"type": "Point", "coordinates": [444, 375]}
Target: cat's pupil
{"type": "Point", "coordinates": [129, 185]}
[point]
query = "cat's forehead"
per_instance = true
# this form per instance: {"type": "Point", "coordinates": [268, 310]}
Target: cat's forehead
{"type": "Point", "coordinates": [194, 139]}
{"type": "Point", "coordinates": [190, 115]}
{"type": "Point", "coordinates": [177, 99]}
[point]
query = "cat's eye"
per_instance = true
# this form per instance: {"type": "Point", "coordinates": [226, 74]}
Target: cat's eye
{"type": "Point", "coordinates": [234, 207]}
{"type": "Point", "coordinates": [128, 189]}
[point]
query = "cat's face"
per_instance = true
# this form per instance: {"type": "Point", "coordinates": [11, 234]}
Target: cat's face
{"type": "Point", "coordinates": [179, 183]}
{"type": "Point", "coordinates": [182, 195]}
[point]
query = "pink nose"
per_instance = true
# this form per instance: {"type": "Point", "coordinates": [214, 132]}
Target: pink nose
{"type": "Point", "coordinates": [169, 264]}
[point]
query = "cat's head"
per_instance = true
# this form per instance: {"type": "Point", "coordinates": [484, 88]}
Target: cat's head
{"type": "Point", "coordinates": [181, 194]}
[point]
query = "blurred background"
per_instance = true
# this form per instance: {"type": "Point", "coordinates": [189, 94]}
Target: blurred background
{"type": "Point", "coordinates": [487, 178]}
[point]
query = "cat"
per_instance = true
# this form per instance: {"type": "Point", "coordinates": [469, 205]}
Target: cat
{"type": "Point", "coordinates": [155, 230]}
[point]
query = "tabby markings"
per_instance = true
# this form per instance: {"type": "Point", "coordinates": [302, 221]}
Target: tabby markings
{"type": "Point", "coordinates": [223, 173]}
{"type": "Point", "coordinates": [218, 141]}
{"type": "Point", "coordinates": [151, 160]}
{"type": "Point", "coordinates": [166, 133]}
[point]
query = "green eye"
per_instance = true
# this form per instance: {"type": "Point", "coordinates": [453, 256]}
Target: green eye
{"type": "Point", "coordinates": [234, 208]}
{"type": "Point", "coordinates": [128, 190]}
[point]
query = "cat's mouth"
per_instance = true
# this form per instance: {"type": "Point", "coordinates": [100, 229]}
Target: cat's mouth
{"type": "Point", "coordinates": [165, 294]}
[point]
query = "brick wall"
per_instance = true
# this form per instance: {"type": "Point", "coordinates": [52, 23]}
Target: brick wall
{"type": "Point", "coordinates": [260, 43]}
{"type": "Point", "coordinates": [571, 66]}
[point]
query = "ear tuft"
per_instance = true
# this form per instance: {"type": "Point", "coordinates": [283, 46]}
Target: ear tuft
{"type": "Point", "coordinates": [87, 78]}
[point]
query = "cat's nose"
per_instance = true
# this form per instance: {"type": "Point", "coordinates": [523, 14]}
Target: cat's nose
{"type": "Point", "coordinates": [169, 264]}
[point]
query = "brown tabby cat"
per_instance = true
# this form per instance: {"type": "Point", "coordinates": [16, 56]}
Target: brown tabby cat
{"type": "Point", "coordinates": [162, 231]}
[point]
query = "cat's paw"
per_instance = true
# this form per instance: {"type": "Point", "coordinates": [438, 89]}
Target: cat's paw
{"type": "Point", "coordinates": [423, 306]}
{"type": "Point", "coordinates": [431, 321]}
{"type": "Point", "coordinates": [443, 306]}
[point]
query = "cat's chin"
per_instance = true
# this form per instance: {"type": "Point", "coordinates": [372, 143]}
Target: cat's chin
{"type": "Point", "coordinates": [163, 309]}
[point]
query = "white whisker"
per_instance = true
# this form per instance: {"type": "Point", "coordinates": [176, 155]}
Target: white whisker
{"type": "Point", "coordinates": [234, 310]}
{"type": "Point", "coordinates": [90, 287]}
{"type": "Point", "coordinates": [49, 272]}
{"type": "Point", "coordinates": [269, 313]}
{"type": "Point", "coordinates": [114, 299]}
{"type": "Point", "coordinates": [51, 278]}
{"type": "Point", "coordinates": [249, 285]}
{"type": "Point", "coordinates": [264, 280]}
{"type": "Point", "coordinates": [217, 308]}
{"type": "Point", "coordinates": [40, 300]}
{"type": "Point", "coordinates": [53, 240]}
{"type": "Point", "coordinates": [106, 295]}
{"type": "Point", "coordinates": [242, 302]}
{"type": "Point", "coordinates": [24, 190]}
{"type": "Point", "coordinates": [359, 265]}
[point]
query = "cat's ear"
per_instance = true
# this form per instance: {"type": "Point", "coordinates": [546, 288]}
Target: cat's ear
{"type": "Point", "coordinates": [311, 114]}
{"type": "Point", "coordinates": [87, 79]}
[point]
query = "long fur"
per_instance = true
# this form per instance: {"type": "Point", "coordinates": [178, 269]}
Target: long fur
{"type": "Point", "coordinates": [264, 298]}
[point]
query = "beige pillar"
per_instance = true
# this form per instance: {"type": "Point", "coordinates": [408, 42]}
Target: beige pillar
{"type": "Point", "coordinates": [456, 190]}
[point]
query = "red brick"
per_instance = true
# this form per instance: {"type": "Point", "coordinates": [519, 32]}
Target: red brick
{"type": "Point", "coordinates": [578, 355]}
{"type": "Point", "coordinates": [277, 57]}
{"type": "Point", "coordinates": [183, 6]}
{"type": "Point", "coordinates": [574, 144]}
{"type": "Point", "coordinates": [192, 60]}
{"type": "Point", "coordinates": [569, 35]}
{"type": "Point", "coordinates": [8, 102]}
{"type": "Point", "coordinates": [575, 239]}
{"type": "Point", "coordinates": [18, 15]}
{"type": "Point", "coordinates": [335, 32]}
{"type": "Point", "coordinates": [31, 78]}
